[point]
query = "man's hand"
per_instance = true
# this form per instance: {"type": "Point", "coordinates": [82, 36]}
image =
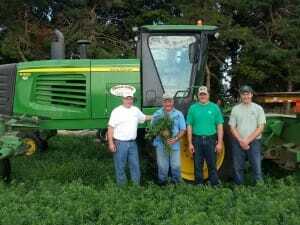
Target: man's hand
{"type": "Point", "coordinates": [149, 117]}
{"type": "Point", "coordinates": [112, 147]}
{"type": "Point", "coordinates": [171, 141]}
{"type": "Point", "coordinates": [191, 149]}
{"type": "Point", "coordinates": [244, 144]}
{"type": "Point", "coordinates": [218, 147]}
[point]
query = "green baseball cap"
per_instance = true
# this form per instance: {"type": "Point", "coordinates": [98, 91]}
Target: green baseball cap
{"type": "Point", "coordinates": [246, 88]}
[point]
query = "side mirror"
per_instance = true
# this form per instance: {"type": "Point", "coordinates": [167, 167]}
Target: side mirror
{"type": "Point", "coordinates": [182, 93]}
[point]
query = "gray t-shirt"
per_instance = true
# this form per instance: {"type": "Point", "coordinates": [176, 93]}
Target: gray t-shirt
{"type": "Point", "coordinates": [246, 118]}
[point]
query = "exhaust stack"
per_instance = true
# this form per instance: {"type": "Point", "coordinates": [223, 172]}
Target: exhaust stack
{"type": "Point", "coordinates": [82, 48]}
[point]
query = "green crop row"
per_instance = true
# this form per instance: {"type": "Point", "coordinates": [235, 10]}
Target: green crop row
{"type": "Point", "coordinates": [73, 183]}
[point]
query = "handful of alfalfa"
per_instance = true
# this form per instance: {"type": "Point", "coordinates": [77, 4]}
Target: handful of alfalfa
{"type": "Point", "coordinates": [161, 127]}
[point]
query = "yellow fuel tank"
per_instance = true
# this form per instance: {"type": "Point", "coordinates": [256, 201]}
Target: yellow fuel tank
{"type": "Point", "coordinates": [187, 161]}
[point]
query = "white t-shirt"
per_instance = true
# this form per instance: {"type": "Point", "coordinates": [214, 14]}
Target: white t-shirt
{"type": "Point", "coordinates": [125, 122]}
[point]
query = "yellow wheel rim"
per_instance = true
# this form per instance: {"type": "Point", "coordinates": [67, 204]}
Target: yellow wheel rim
{"type": "Point", "coordinates": [31, 146]}
{"type": "Point", "coordinates": [187, 161]}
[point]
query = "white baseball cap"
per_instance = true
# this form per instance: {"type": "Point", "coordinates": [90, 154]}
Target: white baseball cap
{"type": "Point", "coordinates": [127, 94]}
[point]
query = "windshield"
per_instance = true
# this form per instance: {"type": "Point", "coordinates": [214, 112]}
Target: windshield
{"type": "Point", "coordinates": [171, 57]}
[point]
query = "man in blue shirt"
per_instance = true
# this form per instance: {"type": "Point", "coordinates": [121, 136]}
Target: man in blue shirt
{"type": "Point", "coordinates": [165, 159]}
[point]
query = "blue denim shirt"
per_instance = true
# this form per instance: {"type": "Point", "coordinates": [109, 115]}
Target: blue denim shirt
{"type": "Point", "coordinates": [178, 125]}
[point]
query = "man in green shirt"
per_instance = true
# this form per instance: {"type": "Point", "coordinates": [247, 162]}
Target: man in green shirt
{"type": "Point", "coordinates": [247, 122]}
{"type": "Point", "coordinates": [205, 135]}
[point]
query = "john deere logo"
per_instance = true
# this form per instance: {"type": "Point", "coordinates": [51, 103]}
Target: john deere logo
{"type": "Point", "coordinates": [25, 75]}
{"type": "Point", "coordinates": [121, 90]}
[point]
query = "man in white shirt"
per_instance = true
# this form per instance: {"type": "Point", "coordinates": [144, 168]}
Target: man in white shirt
{"type": "Point", "coordinates": [247, 121]}
{"type": "Point", "coordinates": [122, 132]}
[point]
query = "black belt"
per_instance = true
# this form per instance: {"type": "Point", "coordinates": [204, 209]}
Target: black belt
{"type": "Point", "coordinates": [132, 140]}
{"type": "Point", "coordinates": [204, 136]}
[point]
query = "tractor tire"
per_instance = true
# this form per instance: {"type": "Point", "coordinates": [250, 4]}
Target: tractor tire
{"type": "Point", "coordinates": [34, 142]}
{"type": "Point", "coordinates": [101, 135]}
{"type": "Point", "coordinates": [141, 140]}
{"type": "Point", "coordinates": [226, 170]}
{"type": "Point", "coordinates": [5, 170]}
{"type": "Point", "coordinates": [43, 145]}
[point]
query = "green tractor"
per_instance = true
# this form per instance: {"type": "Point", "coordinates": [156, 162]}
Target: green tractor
{"type": "Point", "coordinates": [40, 97]}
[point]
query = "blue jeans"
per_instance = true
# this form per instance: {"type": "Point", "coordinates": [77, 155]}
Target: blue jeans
{"type": "Point", "coordinates": [239, 157]}
{"type": "Point", "coordinates": [127, 151]}
{"type": "Point", "coordinates": [205, 150]}
{"type": "Point", "coordinates": [166, 160]}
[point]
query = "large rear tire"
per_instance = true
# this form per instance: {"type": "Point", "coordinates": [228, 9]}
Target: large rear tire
{"type": "Point", "coordinates": [226, 170]}
{"type": "Point", "coordinates": [5, 170]}
{"type": "Point", "coordinates": [101, 135]}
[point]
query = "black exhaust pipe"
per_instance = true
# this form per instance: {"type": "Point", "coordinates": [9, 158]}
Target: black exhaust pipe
{"type": "Point", "coordinates": [82, 48]}
{"type": "Point", "coordinates": [58, 45]}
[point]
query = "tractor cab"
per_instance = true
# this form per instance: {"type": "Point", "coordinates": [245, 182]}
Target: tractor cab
{"type": "Point", "coordinates": [172, 61]}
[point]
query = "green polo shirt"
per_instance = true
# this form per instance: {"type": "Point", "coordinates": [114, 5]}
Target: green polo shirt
{"type": "Point", "coordinates": [204, 118]}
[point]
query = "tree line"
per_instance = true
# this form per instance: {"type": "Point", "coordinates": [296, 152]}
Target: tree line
{"type": "Point", "coordinates": [259, 41]}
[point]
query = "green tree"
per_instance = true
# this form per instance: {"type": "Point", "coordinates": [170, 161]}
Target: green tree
{"type": "Point", "coordinates": [258, 45]}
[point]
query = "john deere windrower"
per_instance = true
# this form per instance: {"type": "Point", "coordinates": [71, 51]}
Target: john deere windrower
{"type": "Point", "coordinates": [40, 97]}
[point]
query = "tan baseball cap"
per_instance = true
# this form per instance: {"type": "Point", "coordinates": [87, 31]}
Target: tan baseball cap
{"type": "Point", "coordinates": [203, 89]}
{"type": "Point", "coordinates": [167, 96]}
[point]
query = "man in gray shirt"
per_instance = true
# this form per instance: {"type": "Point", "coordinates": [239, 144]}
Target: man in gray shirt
{"type": "Point", "coordinates": [247, 121]}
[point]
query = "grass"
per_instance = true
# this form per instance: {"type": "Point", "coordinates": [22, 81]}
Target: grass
{"type": "Point", "coordinates": [73, 183]}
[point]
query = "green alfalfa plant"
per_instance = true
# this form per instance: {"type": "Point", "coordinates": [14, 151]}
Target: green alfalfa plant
{"type": "Point", "coordinates": [161, 127]}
